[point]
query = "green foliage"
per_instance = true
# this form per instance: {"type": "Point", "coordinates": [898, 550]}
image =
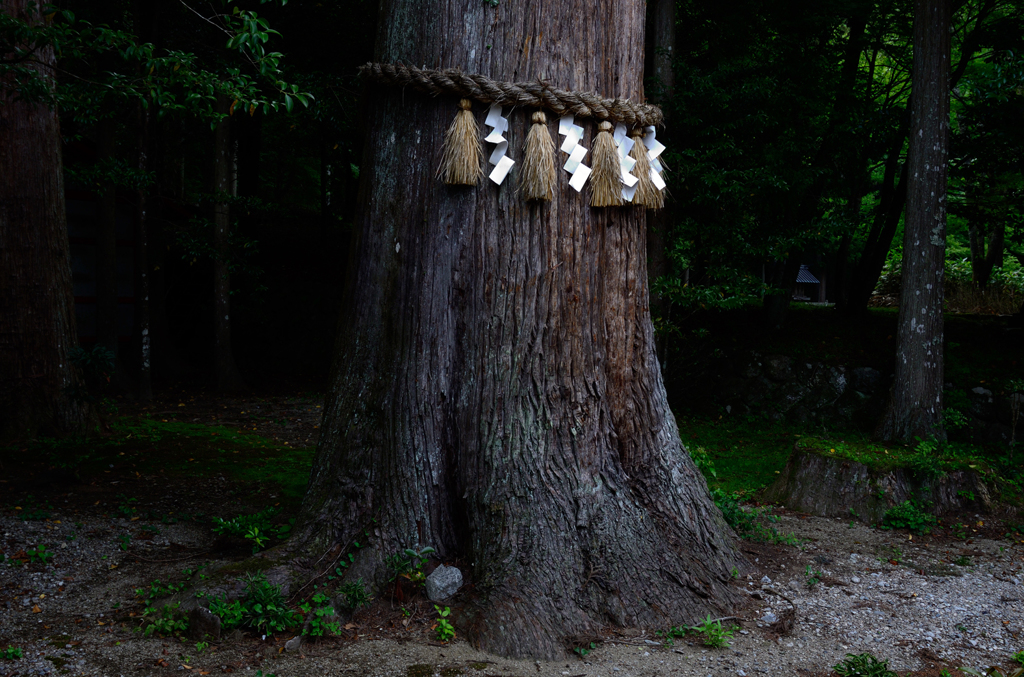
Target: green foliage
{"type": "Point", "coordinates": [444, 630]}
{"type": "Point", "coordinates": [39, 554]}
{"type": "Point", "coordinates": [263, 608]}
{"type": "Point", "coordinates": [123, 541]}
{"type": "Point", "coordinates": [165, 622]}
{"type": "Point", "coordinates": [318, 616]}
{"type": "Point", "coordinates": [126, 507]}
{"type": "Point", "coordinates": [749, 524]}
{"type": "Point", "coordinates": [11, 653]}
{"type": "Point", "coordinates": [582, 651]}
{"type": "Point", "coordinates": [255, 528]}
{"type": "Point", "coordinates": [908, 515]}
{"type": "Point", "coordinates": [1019, 657]}
{"type": "Point", "coordinates": [33, 510]}
{"type": "Point", "coordinates": [702, 459]}
{"type": "Point", "coordinates": [409, 563]}
{"type": "Point", "coordinates": [715, 635]}
{"type": "Point", "coordinates": [863, 665]}
{"type": "Point", "coordinates": [355, 594]}
{"type": "Point", "coordinates": [812, 576]}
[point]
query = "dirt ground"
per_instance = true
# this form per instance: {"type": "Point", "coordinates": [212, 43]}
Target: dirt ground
{"type": "Point", "coordinates": [125, 524]}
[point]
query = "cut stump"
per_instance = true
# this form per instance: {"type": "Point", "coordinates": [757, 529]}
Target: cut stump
{"type": "Point", "coordinates": [828, 486]}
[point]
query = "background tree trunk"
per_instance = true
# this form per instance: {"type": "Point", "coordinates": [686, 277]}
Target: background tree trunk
{"type": "Point", "coordinates": [496, 393]}
{"type": "Point", "coordinates": [228, 376]}
{"type": "Point", "coordinates": [915, 403]}
{"type": "Point", "coordinates": [37, 320]}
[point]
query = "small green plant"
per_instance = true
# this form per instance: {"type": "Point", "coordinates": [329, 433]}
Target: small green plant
{"type": "Point", "coordinates": [34, 511]}
{"type": "Point", "coordinates": [669, 636]}
{"type": "Point", "coordinates": [39, 554]}
{"type": "Point", "coordinates": [255, 528]}
{"type": "Point", "coordinates": [962, 561]}
{"type": "Point", "coordinates": [265, 609]}
{"type": "Point", "coordinates": [259, 539]}
{"type": "Point", "coordinates": [959, 530]}
{"type": "Point", "coordinates": [166, 621]}
{"type": "Point", "coordinates": [1018, 657]}
{"type": "Point", "coordinates": [715, 635]}
{"type": "Point", "coordinates": [908, 515]}
{"type": "Point", "coordinates": [231, 614]}
{"type": "Point", "coordinates": [355, 594]}
{"type": "Point", "coordinates": [582, 651]}
{"type": "Point", "coordinates": [735, 572]}
{"type": "Point", "coordinates": [202, 646]}
{"type": "Point", "coordinates": [813, 576]}
{"type": "Point", "coordinates": [444, 629]}
{"type": "Point", "coordinates": [123, 541]}
{"type": "Point", "coordinates": [319, 613]}
{"type": "Point", "coordinates": [966, 495]}
{"type": "Point", "coordinates": [11, 653]}
{"type": "Point", "coordinates": [126, 507]}
{"type": "Point", "coordinates": [409, 563]}
{"type": "Point", "coordinates": [863, 665]}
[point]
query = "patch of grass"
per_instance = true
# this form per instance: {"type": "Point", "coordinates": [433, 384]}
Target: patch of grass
{"type": "Point", "coordinates": [263, 609]}
{"type": "Point", "coordinates": [11, 653]}
{"type": "Point", "coordinates": [863, 665]}
{"type": "Point", "coordinates": [715, 635]}
{"type": "Point", "coordinates": [909, 515]}
{"type": "Point", "coordinates": [746, 455]}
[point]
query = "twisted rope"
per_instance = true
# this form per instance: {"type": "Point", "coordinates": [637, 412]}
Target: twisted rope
{"type": "Point", "coordinates": [537, 94]}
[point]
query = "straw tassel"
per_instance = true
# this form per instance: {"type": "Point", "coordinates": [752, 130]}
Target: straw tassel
{"type": "Point", "coordinates": [647, 194]}
{"type": "Point", "coordinates": [461, 164]}
{"type": "Point", "coordinates": [538, 176]}
{"type": "Point", "coordinates": [606, 180]}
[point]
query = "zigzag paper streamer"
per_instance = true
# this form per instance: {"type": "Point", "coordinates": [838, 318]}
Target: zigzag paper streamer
{"type": "Point", "coordinates": [654, 149]}
{"type": "Point", "coordinates": [502, 163]}
{"type": "Point", "coordinates": [624, 144]}
{"type": "Point", "coordinates": [574, 165]}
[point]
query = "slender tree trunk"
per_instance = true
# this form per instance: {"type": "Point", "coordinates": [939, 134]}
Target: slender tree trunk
{"type": "Point", "coordinates": [986, 251]}
{"type": "Point", "coordinates": [37, 317]}
{"type": "Point", "coordinates": [228, 376]}
{"type": "Point", "coordinates": [915, 403]}
{"type": "Point", "coordinates": [496, 393]}
{"type": "Point", "coordinates": [142, 269]}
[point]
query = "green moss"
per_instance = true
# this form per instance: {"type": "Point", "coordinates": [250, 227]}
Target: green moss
{"type": "Point", "coordinates": [421, 670]}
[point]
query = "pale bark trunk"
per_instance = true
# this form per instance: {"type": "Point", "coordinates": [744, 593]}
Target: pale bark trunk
{"type": "Point", "coordinates": [915, 403]}
{"type": "Point", "coordinates": [37, 317]}
{"type": "Point", "coordinates": [145, 382]}
{"type": "Point", "coordinates": [496, 393]}
{"type": "Point", "coordinates": [228, 376]}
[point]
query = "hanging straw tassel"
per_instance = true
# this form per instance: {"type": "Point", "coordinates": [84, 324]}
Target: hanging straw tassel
{"type": "Point", "coordinates": [461, 164]}
{"type": "Point", "coordinates": [647, 194]}
{"type": "Point", "coordinates": [606, 179]}
{"type": "Point", "coordinates": [538, 176]}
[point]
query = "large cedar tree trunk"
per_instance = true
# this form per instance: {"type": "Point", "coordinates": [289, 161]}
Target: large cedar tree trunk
{"type": "Point", "coordinates": [915, 403]}
{"type": "Point", "coordinates": [496, 393]}
{"type": "Point", "coordinates": [37, 320]}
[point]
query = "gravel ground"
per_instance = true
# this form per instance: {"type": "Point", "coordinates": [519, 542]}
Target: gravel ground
{"type": "Point", "coordinates": [72, 616]}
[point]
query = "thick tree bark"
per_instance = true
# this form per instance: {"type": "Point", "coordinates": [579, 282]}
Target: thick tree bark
{"type": "Point", "coordinates": [915, 403]}
{"type": "Point", "coordinates": [496, 393]}
{"type": "Point", "coordinates": [37, 317]}
{"type": "Point", "coordinates": [662, 20]}
{"type": "Point", "coordinates": [228, 376]}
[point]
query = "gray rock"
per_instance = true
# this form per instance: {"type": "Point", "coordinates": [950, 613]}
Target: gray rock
{"type": "Point", "coordinates": [443, 583]}
{"type": "Point", "coordinates": [769, 618]}
{"type": "Point", "coordinates": [293, 644]}
{"type": "Point", "coordinates": [765, 580]}
{"type": "Point", "coordinates": [202, 624]}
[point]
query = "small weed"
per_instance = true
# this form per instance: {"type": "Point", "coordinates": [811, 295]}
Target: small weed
{"type": "Point", "coordinates": [715, 635]}
{"type": "Point", "coordinates": [669, 636]}
{"type": "Point", "coordinates": [735, 572]}
{"type": "Point", "coordinates": [966, 495]}
{"type": "Point", "coordinates": [962, 561]}
{"type": "Point", "coordinates": [863, 665]}
{"type": "Point", "coordinates": [318, 612]}
{"type": "Point", "coordinates": [582, 651]}
{"type": "Point", "coordinates": [409, 563]}
{"type": "Point", "coordinates": [166, 621]}
{"type": "Point", "coordinates": [444, 629]}
{"type": "Point", "coordinates": [11, 653]}
{"type": "Point", "coordinates": [126, 507]}
{"type": "Point", "coordinates": [202, 646]}
{"type": "Point", "coordinates": [34, 511]}
{"type": "Point", "coordinates": [908, 515]}
{"type": "Point", "coordinates": [39, 554]}
{"type": "Point", "coordinates": [263, 609]}
{"type": "Point", "coordinates": [1018, 657]}
{"type": "Point", "coordinates": [959, 531]}
{"type": "Point", "coordinates": [123, 541]}
{"type": "Point", "coordinates": [355, 594]}
{"type": "Point", "coordinates": [813, 576]}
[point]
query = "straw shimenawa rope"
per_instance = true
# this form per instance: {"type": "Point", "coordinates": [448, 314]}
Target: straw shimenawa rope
{"type": "Point", "coordinates": [537, 94]}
